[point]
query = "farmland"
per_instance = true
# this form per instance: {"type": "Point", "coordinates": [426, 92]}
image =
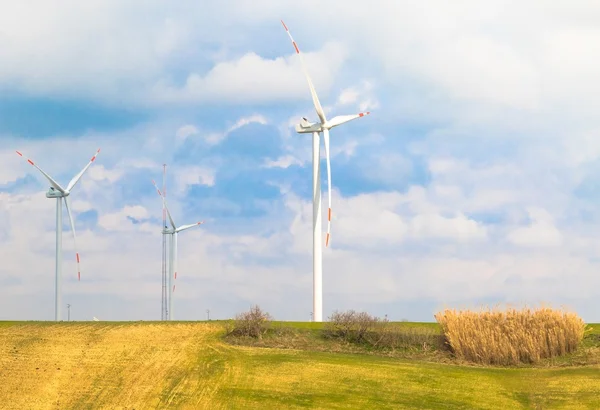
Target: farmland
{"type": "Point", "coordinates": [133, 365]}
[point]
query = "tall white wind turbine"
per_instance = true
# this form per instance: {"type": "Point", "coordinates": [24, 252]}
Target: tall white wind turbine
{"type": "Point", "coordinates": [173, 231]}
{"type": "Point", "coordinates": [306, 127]}
{"type": "Point", "coordinates": [58, 192]}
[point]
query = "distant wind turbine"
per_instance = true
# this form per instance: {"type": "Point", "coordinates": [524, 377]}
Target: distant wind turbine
{"type": "Point", "coordinates": [58, 192]}
{"type": "Point", "coordinates": [173, 231]}
{"type": "Point", "coordinates": [306, 127]}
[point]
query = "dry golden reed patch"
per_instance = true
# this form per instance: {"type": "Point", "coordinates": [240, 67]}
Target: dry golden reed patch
{"type": "Point", "coordinates": [511, 336]}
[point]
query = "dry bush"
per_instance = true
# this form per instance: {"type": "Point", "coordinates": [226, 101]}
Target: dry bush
{"type": "Point", "coordinates": [350, 326]}
{"type": "Point", "coordinates": [393, 337]}
{"type": "Point", "coordinates": [512, 336]}
{"type": "Point", "coordinates": [360, 327]}
{"type": "Point", "coordinates": [254, 323]}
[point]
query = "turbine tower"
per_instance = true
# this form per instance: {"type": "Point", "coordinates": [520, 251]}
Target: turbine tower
{"type": "Point", "coordinates": [172, 232]}
{"type": "Point", "coordinates": [315, 128]}
{"type": "Point", "coordinates": [58, 192]}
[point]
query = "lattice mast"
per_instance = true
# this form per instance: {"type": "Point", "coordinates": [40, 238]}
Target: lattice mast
{"type": "Point", "coordinates": [164, 313]}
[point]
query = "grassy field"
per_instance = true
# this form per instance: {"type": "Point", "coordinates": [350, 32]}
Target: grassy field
{"type": "Point", "coordinates": [187, 365]}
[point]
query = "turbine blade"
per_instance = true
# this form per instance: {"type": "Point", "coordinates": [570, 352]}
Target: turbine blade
{"type": "Point", "coordinates": [175, 257]}
{"type": "Point", "coordinates": [341, 119]}
{"type": "Point", "coordinates": [48, 177]}
{"type": "Point", "coordinates": [184, 227]}
{"type": "Point", "coordinates": [313, 92]}
{"type": "Point", "coordinates": [326, 139]}
{"type": "Point", "coordinates": [67, 201]}
{"type": "Point", "coordinates": [164, 205]}
{"type": "Point", "coordinates": [77, 177]}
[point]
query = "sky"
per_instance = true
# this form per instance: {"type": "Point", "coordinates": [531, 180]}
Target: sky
{"type": "Point", "coordinates": [474, 182]}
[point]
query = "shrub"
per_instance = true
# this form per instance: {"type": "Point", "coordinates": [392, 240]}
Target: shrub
{"type": "Point", "coordinates": [254, 323]}
{"type": "Point", "coordinates": [362, 328]}
{"type": "Point", "coordinates": [392, 337]}
{"type": "Point", "coordinates": [510, 337]}
{"type": "Point", "coordinates": [350, 326]}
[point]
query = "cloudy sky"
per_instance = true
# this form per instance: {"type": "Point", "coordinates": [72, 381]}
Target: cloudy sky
{"type": "Point", "coordinates": [474, 181]}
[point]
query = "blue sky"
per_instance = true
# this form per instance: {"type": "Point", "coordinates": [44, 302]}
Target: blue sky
{"type": "Point", "coordinates": [473, 181]}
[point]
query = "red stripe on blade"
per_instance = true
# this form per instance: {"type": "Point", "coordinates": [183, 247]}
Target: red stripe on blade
{"type": "Point", "coordinates": [77, 257]}
{"type": "Point", "coordinates": [327, 240]}
{"type": "Point", "coordinates": [30, 161]}
{"type": "Point", "coordinates": [284, 26]}
{"type": "Point", "coordinates": [175, 275]}
{"type": "Point", "coordinates": [329, 216]}
{"type": "Point", "coordinates": [19, 153]}
{"type": "Point", "coordinates": [296, 47]}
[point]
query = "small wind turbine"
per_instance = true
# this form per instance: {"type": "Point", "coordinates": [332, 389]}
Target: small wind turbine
{"type": "Point", "coordinates": [306, 127]}
{"type": "Point", "coordinates": [58, 192]}
{"type": "Point", "coordinates": [173, 231]}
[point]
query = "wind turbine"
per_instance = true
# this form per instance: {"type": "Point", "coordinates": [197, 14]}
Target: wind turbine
{"type": "Point", "coordinates": [58, 192]}
{"type": "Point", "coordinates": [173, 231]}
{"type": "Point", "coordinates": [306, 127]}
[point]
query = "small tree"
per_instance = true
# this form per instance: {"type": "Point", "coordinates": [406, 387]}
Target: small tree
{"type": "Point", "coordinates": [253, 323]}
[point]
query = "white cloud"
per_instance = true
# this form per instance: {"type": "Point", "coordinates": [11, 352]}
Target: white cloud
{"type": "Point", "coordinates": [252, 78]}
{"type": "Point", "coordinates": [540, 232]}
{"type": "Point", "coordinates": [252, 119]}
{"type": "Point", "coordinates": [193, 175]}
{"type": "Point", "coordinates": [81, 206]}
{"type": "Point", "coordinates": [112, 49]}
{"type": "Point", "coordinates": [362, 96]}
{"type": "Point", "coordinates": [436, 226]}
{"type": "Point", "coordinates": [98, 172]}
{"type": "Point", "coordinates": [119, 221]}
{"type": "Point", "coordinates": [347, 96]}
{"type": "Point", "coordinates": [212, 137]}
{"type": "Point", "coordinates": [284, 161]}
{"type": "Point", "coordinates": [185, 131]}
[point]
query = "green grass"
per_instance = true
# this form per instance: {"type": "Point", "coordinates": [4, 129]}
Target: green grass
{"type": "Point", "coordinates": [188, 365]}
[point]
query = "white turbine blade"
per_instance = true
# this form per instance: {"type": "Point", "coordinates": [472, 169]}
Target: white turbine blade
{"type": "Point", "coordinates": [164, 204]}
{"type": "Point", "coordinates": [326, 139]}
{"type": "Point", "coordinates": [184, 227]}
{"type": "Point", "coordinates": [77, 177]}
{"type": "Point", "coordinates": [174, 258]}
{"type": "Point", "coordinates": [313, 92]}
{"type": "Point", "coordinates": [48, 177]}
{"type": "Point", "coordinates": [341, 119]}
{"type": "Point", "coordinates": [74, 237]}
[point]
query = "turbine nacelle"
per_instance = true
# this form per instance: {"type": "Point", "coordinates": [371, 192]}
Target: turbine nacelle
{"type": "Point", "coordinates": [55, 193]}
{"type": "Point", "coordinates": [306, 127]}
